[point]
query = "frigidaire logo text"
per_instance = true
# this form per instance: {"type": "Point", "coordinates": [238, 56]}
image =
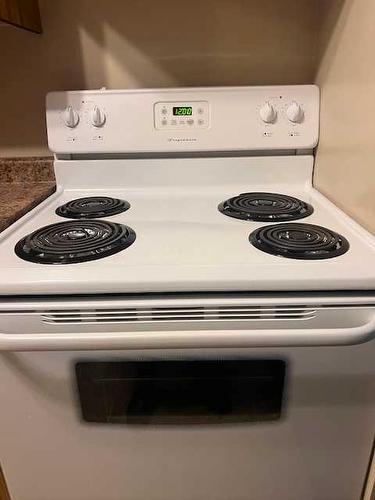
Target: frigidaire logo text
{"type": "Point", "coordinates": [182, 139]}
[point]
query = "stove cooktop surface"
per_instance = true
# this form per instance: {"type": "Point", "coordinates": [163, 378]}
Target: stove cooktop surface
{"type": "Point", "coordinates": [183, 242]}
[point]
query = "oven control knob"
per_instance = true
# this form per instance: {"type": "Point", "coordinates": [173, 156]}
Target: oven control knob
{"type": "Point", "coordinates": [97, 117]}
{"type": "Point", "coordinates": [295, 113]}
{"type": "Point", "coordinates": [70, 117]}
{"type": "Point", "coordinates": [268, 113]}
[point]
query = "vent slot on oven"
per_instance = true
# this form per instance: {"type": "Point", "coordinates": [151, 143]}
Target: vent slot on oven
{"type": "Point", "coordinates": [178, 314]}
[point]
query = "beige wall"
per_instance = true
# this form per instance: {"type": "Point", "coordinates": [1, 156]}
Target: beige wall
{"type": "Point", "coordinates": [146, 43]}
{"type": "Point", "coordinates": [345, 164]}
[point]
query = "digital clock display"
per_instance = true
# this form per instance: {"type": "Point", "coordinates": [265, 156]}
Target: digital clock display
{"type": "Point", "coordinates": [182, 110]}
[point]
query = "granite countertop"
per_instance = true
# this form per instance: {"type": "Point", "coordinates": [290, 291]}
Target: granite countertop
{"type": "Point", "coordinates": [24, 183]}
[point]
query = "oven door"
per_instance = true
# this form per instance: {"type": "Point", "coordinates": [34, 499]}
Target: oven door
{"type": "Point", "coordinates": [261, 423]}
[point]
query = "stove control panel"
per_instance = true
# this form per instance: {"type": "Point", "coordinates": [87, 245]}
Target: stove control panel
{"type": "Point", "coordinates": [181, 115]}
{"type": "Point", "coordinates": [182, 120]}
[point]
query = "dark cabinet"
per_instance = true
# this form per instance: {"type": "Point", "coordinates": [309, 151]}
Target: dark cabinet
{"type": "Point", "coordinates": [21, 13]}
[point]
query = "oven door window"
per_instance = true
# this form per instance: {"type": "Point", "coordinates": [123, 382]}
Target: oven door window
{"type": "Point", "coordinates": [180, 392]}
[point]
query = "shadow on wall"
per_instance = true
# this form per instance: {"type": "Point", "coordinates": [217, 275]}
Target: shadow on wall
{"type": "Point", "coordinates": [217, 42]}
{"type": "Point", "coordinates": [143, 43]}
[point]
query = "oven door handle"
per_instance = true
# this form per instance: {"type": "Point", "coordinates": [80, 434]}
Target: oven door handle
{"type": "Point", "coordinates": [189, 339]}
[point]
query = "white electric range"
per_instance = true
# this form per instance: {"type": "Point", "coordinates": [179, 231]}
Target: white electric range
{"type": "Point", "coordinates": [191, 315]}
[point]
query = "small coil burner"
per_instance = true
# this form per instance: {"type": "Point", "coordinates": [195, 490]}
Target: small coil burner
{"type": "Point", "coordinates": [299, 241]}
{"type": "Point", "coordinates": [74, 241]}
{"type": "Point", "coordinates": [92, 207]}
{"type": "Point", "coordinates": [265, 207]}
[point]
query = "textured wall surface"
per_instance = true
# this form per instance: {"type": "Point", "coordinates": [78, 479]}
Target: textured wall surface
{"type": "Point", "coordinates": [144, 43]}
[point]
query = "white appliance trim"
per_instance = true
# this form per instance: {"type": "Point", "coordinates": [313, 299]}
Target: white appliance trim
{"type": "Point", "coordinates": [134, 123]}
{"type": "Point", "coordinates": [267, 322]}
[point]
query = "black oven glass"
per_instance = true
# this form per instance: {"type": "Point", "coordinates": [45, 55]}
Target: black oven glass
{"type": "Point", "coordinates": [180, 392]}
